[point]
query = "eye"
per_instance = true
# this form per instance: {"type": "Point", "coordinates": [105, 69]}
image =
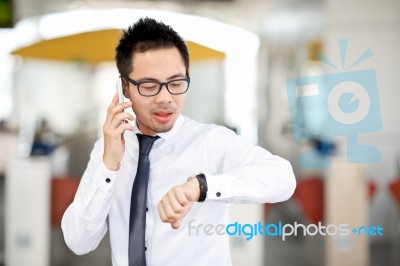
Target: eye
{"type": "Point", "coordinates": [149, 85]}
{"type": "Point", "coordinates": [176, 83]}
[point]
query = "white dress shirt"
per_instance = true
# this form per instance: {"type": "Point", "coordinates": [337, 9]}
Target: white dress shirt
{"type": "Point", "coordinates": [235, 170]}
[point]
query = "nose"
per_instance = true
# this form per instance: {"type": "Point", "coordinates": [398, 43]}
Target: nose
{"type": "Point", "coordinates": [163, 96]}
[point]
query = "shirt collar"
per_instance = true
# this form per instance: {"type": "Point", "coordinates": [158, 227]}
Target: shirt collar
{"type": "Point", "coordinates": [165, 135]}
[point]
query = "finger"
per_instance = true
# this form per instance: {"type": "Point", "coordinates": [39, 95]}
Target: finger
{"type": "Point", "coordinates": [122, 127]}
{"type": "Point", "coordinates": [120, 108]}
{"type": "Point", "coordinates": [115, 99]}
{"type": "Point", "coordinates": [176, 224]}
{"type": "Point", "coordinates": [113, 103]}
{"type": "Point", "coordinates": [169, 212]}
{"type": "Point", "coordinates": [120, 118]}
{"type": "Point", "coordinates": [116, 109]}
{"type": "Point", "coordinates": [116, 130]}
{"type": "Point", "coordinates": [161, 212]}
{"type": "Point", "coordinates": [113, 120]}
{"type": "Point", "coordinates": [182, 198]}
{"type": "Point", "coordinates": [173, 195]}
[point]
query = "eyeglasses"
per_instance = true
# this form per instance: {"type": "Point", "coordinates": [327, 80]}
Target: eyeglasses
{"type": "Point", "coordinates": [152, 88]}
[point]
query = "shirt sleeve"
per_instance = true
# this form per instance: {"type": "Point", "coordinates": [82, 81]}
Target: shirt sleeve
{"type": "Point", "coordinates": [84, 221]}
{"type": "Point", "coordinates": [249, 173]}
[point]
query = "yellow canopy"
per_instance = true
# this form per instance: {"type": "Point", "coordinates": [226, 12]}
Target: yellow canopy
{"type": "Point", "coordinates": [96, 47]}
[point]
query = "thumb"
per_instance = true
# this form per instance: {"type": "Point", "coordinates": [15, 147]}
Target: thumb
{"type": "Point", "coordinates": [176, 224]}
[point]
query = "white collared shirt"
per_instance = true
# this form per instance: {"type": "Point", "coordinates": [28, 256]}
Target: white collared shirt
{"type": "Point", "coordinates": [235, 169]}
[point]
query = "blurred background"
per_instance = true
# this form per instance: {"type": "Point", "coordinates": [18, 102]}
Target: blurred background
{"type": "Point", "coordinates": [313, 81]}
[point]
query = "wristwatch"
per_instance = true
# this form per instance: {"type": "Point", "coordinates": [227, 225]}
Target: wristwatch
{"type": "Point", "coordinates": [203, 185]}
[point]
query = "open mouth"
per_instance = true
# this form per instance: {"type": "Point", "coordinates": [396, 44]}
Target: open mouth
{"type": "Point", "coordinates": [163, 116]}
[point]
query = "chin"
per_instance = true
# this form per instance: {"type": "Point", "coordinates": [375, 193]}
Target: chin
{"type": "Point", "coordinates": [163, 128]}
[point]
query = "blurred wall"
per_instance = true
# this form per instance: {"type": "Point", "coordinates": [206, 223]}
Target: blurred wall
{"type": "Point", "coordinates": [374, 25]}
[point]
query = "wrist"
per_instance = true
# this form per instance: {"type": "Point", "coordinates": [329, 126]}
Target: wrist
{"type": "Point", "coordinates": [112, 166]}
{"type": "Point", "coordinates": [195, 185]}
{"type": "Point", "coordinates": [199, 180]}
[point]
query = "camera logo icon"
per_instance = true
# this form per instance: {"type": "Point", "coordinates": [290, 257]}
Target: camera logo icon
{"type": "Point", "coordinates": [344, 103]}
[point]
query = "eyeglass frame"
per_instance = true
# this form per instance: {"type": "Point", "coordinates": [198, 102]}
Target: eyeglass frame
{"type": "Point", "coordinates": [138, 83]}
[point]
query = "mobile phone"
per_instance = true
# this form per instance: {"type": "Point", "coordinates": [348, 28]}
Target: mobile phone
{"type": "Point", "coordinates": [119, 89]}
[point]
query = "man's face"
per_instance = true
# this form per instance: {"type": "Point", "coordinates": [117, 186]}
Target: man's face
{"type": "Point", "coordinates": [156, 114]}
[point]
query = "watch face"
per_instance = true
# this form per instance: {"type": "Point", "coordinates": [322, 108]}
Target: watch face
{"type": "Point", "coordinates": [194, 176]}
{"type": "Point", "coordinates": [191, 177]}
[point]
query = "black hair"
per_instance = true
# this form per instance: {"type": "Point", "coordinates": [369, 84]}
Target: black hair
{"type": "Point", "coordinates": [144, 35]}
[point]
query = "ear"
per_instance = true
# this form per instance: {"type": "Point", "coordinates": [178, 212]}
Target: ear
{"type": "Point", "coordinates": [125, 88]}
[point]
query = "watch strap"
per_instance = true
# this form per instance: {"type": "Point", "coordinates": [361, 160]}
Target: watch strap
{"type": "Point", "coordinates": [201, 178]}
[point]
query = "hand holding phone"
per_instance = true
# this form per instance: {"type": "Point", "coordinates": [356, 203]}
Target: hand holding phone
{"type": "Point", "coordinates": [114, 127]}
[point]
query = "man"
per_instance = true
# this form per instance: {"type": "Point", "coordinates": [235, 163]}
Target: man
{"type": "Point", "coordinates": [153, 62]}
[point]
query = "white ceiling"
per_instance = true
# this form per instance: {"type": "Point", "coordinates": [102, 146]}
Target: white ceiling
{"type": "Point", "coordinates": [249, 14]}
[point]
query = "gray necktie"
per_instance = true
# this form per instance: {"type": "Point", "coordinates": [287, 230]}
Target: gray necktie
{"type": "Point", "coordinates": [137, 220]}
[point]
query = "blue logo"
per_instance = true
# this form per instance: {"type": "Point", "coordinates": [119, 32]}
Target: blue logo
{"type": "Point", "coordinates": [338, 104]}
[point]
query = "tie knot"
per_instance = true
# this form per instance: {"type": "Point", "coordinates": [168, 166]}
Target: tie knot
{"type": "Point", "coordinates": [145, 143]}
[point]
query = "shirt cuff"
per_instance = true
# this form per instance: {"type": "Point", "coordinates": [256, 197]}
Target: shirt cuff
{"type": "Point", "coordinates": [105, 178]}
{"type": "Point", "coordinates": [219, 187]}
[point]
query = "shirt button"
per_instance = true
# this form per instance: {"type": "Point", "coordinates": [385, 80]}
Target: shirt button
{"type": "Point", "coordinates": [145, 248]}
{"type": "Point", "coordinates": [108, 180]}
{"type": "Point", "coordinates": [218, 194]}
{"type": "Point", "coordinates": [147, 209]}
